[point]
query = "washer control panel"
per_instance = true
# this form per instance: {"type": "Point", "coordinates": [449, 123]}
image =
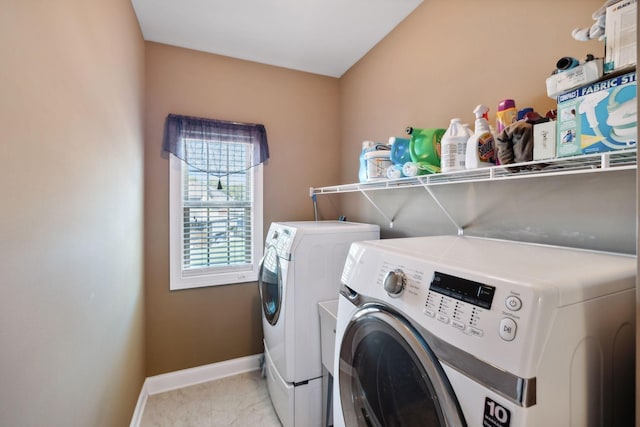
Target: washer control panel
{"type": "Point", "coordinates": [471, 308]}
{"type": "Point", "coordinates": [464, 305]}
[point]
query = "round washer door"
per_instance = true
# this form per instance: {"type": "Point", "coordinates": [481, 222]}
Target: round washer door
{"type": "Point", "coordinates": [270, 284]}
{"type": "Point", "coordinates": [388, 375]}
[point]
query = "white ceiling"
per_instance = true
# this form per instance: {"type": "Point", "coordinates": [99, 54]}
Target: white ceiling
{"type": "Point", "coordinates": [319, 36]}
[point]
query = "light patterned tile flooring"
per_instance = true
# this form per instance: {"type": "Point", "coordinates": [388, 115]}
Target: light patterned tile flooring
{"type": "Point", "coordinates": [240, 400]}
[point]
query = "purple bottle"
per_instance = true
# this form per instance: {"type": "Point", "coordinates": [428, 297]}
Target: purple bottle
{"type": "Point", "coordinates": [507, 114]}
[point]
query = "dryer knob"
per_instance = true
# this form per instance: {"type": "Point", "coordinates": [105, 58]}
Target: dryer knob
{"type": "Point", "coordinates": [394, 282]}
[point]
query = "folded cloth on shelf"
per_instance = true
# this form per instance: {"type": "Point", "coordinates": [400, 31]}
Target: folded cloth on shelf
{"type": "Point", "coordinates": [515, 143]}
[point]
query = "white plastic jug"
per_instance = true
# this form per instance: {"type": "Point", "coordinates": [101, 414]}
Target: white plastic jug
{"type": "Point", "coordinates": [454, 147]}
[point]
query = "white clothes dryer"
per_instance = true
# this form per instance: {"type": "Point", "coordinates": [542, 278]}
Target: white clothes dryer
{"type": "Point", "coordinates": [462, 331]}
{"type": "Point", "coordinates": [301, 266]}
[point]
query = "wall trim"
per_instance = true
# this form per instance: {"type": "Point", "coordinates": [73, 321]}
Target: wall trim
{"type": "Point", "coordinates": [142, 401]}
{"type": "Point", "coordinates": [192, 376]}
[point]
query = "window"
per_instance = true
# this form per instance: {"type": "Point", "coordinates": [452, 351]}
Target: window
{"type": "Point", "coordinates": [215, 210]}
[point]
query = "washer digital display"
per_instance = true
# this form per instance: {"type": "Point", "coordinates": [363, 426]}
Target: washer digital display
{"type": "Point", "coordinates": [463, 289]}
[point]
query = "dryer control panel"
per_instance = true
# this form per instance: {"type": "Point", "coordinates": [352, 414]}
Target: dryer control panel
{"type": "Point", "coordinates": [281, 237]}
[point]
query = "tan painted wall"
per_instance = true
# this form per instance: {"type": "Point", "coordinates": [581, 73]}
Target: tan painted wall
{"type": "Point", "coordinates": [449, 56]}
{"type": "Point", "coordinates": [443, 60]}
{"type": "Point", "coordinates": [300, 111]}
{"type": "Point", "coordinates": [71, 182]}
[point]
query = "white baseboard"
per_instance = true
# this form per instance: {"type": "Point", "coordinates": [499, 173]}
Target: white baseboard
{"type": "Point", "coordinates": [192, 376]}
{"type": "Point", "coordinates": [142, 401]}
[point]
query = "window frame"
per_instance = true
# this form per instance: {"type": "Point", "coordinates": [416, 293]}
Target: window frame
{"type": "Point", "coordinates": [182, 279]}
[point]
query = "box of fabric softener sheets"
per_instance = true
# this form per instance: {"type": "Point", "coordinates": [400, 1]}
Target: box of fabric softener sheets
{"type": "Point", "coordinates": [602, 116]}
{"type": "Point", "coordinates": [620, 35]}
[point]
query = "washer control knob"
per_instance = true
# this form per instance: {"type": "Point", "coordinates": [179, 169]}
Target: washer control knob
{"type": "Point", "coordinates": [513, 303]}
{"type": "Point", "coordinates": [394, 282]}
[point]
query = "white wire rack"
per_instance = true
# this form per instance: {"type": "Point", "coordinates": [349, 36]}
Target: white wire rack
{"type": "Point", "coordinates": [588, 163]}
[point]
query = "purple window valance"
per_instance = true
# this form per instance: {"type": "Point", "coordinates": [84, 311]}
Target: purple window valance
{"type": "Point", "coordinates": [187, 137]}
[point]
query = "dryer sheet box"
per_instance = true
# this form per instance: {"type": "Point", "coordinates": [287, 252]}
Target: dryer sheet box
{"type": "Point", "coordinates": [598, 117]}
{"type": "Point", "coordinates": [620, 36]}
{"type": "Point", "coordinates": [544, 140]}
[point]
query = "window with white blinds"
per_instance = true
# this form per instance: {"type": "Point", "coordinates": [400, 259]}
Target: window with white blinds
{"type": "Point", "coordinates": [216, 216]}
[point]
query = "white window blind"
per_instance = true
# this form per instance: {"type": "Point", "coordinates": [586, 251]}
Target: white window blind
{"type": "Point", "coordinates": [217, 209]}
{"type": "Point", "coordinates": [220, 232]}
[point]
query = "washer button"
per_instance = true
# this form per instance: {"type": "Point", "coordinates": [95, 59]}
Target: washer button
{"type": "Point", "coordinates": [475, 331]}
{"type": "Point", "coordinates": [442, 318]}
{"type": "Point", "coordinates": [429, 312]}
{"type": "Point", "coordinates": [457, 324]}
{"type": "Point", "coordinates": [508, 329]}
{"type": "Point", "coordinates": [513, 303]}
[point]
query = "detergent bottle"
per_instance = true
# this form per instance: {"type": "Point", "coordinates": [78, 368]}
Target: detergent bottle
{"type": "Point", "coordinates": [507, 114]}
{"type": "Point", "coordinates": [468, 129]}
{"type": "Point", "coordinates": [399, 156]}
{"type": "Point", "coordinates": [400, 150]}
{"type": "Point", "coordinates": [481, 146]}
{"type": "Point", "coordinates": [362, 172]}
{"type": "Point", "coordinates": [424, 151]}
{"type": "Point", "coordinates": [454, 147]}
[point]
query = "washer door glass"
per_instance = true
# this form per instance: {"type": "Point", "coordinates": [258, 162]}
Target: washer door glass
{"type": "Point", "coordinates": [389, 376]}
{"type": "Point", "coordinates": [270, 284]}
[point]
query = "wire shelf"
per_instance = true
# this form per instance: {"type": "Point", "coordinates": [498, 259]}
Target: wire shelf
{"type": "Point", "coordinates": [588, 163]}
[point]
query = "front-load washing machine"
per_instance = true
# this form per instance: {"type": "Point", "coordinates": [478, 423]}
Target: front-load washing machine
{"type": "Point", "coordinates": [301, 266]}
{"type": "Point", "coordinates": [462, 331]}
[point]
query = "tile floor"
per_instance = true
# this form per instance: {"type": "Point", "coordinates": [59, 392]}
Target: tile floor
{"type": "Point", "coordinates": [240, 400]}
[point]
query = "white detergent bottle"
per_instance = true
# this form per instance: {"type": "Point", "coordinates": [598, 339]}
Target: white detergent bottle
{"type": "Point", "coordinates": [468, 129]}
{"type": "Point", "coordinates": [481, 145]}
{"type": "Point", "coordinates": [453, 145]}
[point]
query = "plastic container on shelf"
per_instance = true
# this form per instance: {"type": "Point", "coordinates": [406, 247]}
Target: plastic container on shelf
{"type": "Point", "coordinates": [424, 150]}
{"type": "Point", "coordinates": [481, 145]}
{"type": "Point", "coordinates": [378, 161]}
{"type": "Point", "coordinates": [395, 171]}
{"type": "Point", "coordinates": [400, 150]}
{"type": "Point", "coordinates": [371, 147]}
{"type": "Point", "coordinates": [507, 114]}
{"type": "Point", "coordinates": [362, 172]}
{"type": "Point", "coordinates": [468, 129]}
{"type": "Point", "coordinates": [454, 147]}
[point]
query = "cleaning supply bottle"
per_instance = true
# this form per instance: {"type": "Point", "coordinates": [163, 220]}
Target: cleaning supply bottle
{"type": "Point", "coordinates": [468, 129]}
{"type": "Point", "coordinates": [454, 147]}
{"type": "Point", "coordinates": [362, 172]}
{"type": "Point", "coordinates": [399, 150]}
{"type": "Point", "coordinates": [424, 150]}
{"type": "Point", "coordinates": [507, 114]}
{"type": "Point", "coordinates": [481, 146]}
